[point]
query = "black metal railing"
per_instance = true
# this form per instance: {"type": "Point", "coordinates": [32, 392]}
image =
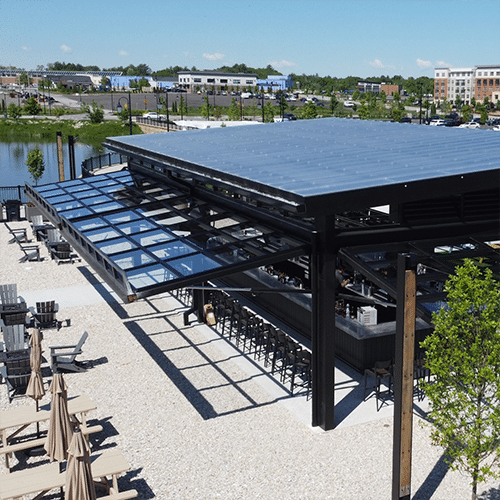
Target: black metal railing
{"type": "Point", "coordinates": [13, 193]}
{"type": "Point", "coordinates": [106, 160]}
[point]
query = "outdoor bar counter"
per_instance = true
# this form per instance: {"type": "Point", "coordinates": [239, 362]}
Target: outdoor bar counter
{"type": "Point", "coordinates": [358, 345]}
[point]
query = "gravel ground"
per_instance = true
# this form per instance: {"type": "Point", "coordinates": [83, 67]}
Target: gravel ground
{"type": "Point", "coordinates": [196, 420]}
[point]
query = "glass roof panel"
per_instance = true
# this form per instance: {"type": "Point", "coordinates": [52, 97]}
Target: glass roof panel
{"type": "Point", "coordinates": [104, 233]}
{"type": "Point", "coordinates": [152, 237]}
{"type": "Point", "coordinates": [97, 181]}
{"type": "Point", "coordinates": [136, 226]}
{"type": "Point", "coordinates": [193, 264]}
{"type": "Point", "coordinates": [111, 189]}
{"type": "Point", "coordinates": [122, 217]}
{"type": "Point", "coordinates": [54, 192]}
{"type": "Point", "coordinates": [60, 199]}
{"type": "Point", "coordinates": [95, 200]}
{"type": "Point", "coordinates": [87, 224]}
{"type": "Point", "coordinates": [132, 259]}
{"type": "Point", "coordinates": [116, 246]}
{"type": "Point", "coordinates": [150, 275]}
{"type": "Point", "coordinates": [105, 207]}
{"type": "Point", "coordinates": [68, 205]}
{"type": "Point", "coordinates": [77, 188]}
{"type": "Point", "coordinates": [88, 194]}
{"type": "Point", "coordinates": [172, 250]}
{"type": "Point", "coordinates": [77, 212]}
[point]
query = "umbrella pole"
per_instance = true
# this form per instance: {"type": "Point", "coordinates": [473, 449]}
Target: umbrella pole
{"type": "Point", "coordinates": [38, 423]}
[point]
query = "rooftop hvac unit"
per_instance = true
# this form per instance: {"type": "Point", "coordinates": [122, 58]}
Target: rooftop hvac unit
{"type": "Point", "coordinates": [367, 315]}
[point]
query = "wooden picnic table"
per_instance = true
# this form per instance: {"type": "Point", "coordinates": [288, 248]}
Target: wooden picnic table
{"type": "Point", "coordinates": [42, 479]}
{"type": "Point", "coordinates": [21, 417]}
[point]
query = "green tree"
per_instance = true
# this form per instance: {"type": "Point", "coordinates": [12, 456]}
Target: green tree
{"type": "Point", "coordinates": [356, 95]}
{"type": "Point", "coordinates": [466, 113]}
{"type": "Point", "coordinates": [105, 82]}
{"type": "Point", "coordinates": [484, 115]}
{"type": "Point", "coordinates": [333, 103]}
{"type": "Point", "coordinates": [234, 112]}
{"type": "Point", "coordinates": [183, 110]}
{"type": "Point", "coordinates": [463, 354]}
{"type": "Point", "coordinates": [24, 79]}
{"type": "Point", "coordinates": [32, 107]}
{"type": "Point", "coordinates": [433, 109]}
{"type": "Point", "coordinates": [206, 109]}
{"type": "Point", "coordinates": [268, 112]}
{"type": "Point", "coordinates": [458, 102]}
{"type": "Point", "coordinates": [35, 163]}
{"type": "Point", "coordinates": [383, 97]}
{"type": "Point", "coordinates": [143, 82]}
{"type": "Point", "coordinates": [396, 96]}
{"type": "Point", "coordinates": [14, 111]}
{"type": "Point", "coordinates": [94, 112]}
{"type": "Point", "coordinates": [473, 102]}
{"type": "Point", "coordinates": [309, 111]}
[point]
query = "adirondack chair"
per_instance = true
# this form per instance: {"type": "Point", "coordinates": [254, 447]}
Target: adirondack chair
{"type": "Point", "coordinates": [16, 373]}
{"type": "Point", "coordinates": [14, 337]}
{"type": "Point", "coordinates": [63, 357]}
{"type": "Point", "coordinates": [44, 315]}
{"type": "Point", "coordinates": [8, 295]}
{"type": "Point", "coordinates": [31, 253]}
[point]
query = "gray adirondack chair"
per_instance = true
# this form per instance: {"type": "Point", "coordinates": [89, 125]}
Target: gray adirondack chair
{"type": "Point", "coordinates": [63, 357]}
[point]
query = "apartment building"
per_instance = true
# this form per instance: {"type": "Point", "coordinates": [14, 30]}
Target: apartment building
{"type": "Point", "coordinates": [478, 82]}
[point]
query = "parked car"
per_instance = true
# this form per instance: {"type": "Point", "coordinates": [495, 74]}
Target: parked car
{"type": "Point", "coordinates": [437, 123]}
{"type": "Point", "coordinates": [152, 115]}
{"type": "Point", "coordinates": [289, 116]}
{"type": "Point", "coordinates": [452, 123]}
{"type": "Point", "coordinates": [469, 125]}
{"type": "Point", "coordinates": [496, 128]}
{"type": "Point", "coordinates": [405, 119]}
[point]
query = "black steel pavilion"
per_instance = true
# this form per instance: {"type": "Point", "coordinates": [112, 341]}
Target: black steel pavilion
{"type": "Point", "coordinates": [220, 205]}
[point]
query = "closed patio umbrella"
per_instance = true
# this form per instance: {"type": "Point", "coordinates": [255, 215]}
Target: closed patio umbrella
{"type": "Point", "coordinates": [60, 428]}
{"type": "Point", "coordinates": [79, 483]}
{"type": "Point", "coordinates": [35, 389]}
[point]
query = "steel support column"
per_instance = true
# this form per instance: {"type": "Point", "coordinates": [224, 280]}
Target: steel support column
{"type": "Point", "coordinates": [403, 379]}
{"type": "Point", "coordinates": [323, 260]}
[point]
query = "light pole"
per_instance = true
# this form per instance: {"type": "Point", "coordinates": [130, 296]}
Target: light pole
{"type": "Point", "coordinates": [420, 84]}
{"type": "Point", "coordinates": [119, 109]}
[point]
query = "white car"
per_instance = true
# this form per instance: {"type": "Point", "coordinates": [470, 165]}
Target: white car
{"type": "Point", "coordinates": [152, 114]}
{"type": "Point", "coordinates": [469, 125]}
{"type": "Point", "coordinates": [496, 127]}
{"type": "Point", "coordinates": [437, 123]}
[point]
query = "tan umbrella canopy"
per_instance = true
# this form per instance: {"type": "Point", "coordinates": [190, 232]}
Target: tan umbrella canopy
{"type": "Point", "coordinates": [35, 389]}
{"type": "Point", "coordinates": [79, 483]}
{"type": "Point", "coordinates": [60, 428]}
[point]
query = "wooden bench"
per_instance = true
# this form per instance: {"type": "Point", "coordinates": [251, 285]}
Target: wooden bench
{"type": "Point", "coordinates": [47, 477]}
{"type": "Point", "coordinates": [124, 495]}
{"type": "Point", "coordinates": [35, 443]}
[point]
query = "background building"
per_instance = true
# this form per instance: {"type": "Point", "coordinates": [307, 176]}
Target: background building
{"type": "Point", "coordinates": [478, 82]}
{"type": "Point", "coordinates": [199, 80]}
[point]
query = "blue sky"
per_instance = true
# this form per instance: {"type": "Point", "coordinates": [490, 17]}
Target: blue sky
{"type": "Point", "coordinates": [329, 37]}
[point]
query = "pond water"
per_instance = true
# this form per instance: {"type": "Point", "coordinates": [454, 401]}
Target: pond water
{"type": "Point", "coordinates": [13, 156]}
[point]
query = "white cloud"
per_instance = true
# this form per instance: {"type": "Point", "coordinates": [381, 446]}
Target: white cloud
{"type": "Point", "coordinates": [123, 53]}
{"type": "Point", "coordinates": [282, 64]}
{"type": "Point", "coordinates": [423, 64]}
{"type": "Point", "coordinates": [377, 64]}
{"type": "Point", "coordinates": [26, 49]}
{"type": "Point", "coordinates": [65, 48]}
{"type": "Point", "coordinates": [443, 64]}
{"type": "Point", "coordinates": [213, 57]}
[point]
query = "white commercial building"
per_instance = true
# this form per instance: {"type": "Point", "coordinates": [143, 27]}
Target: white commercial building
{"type": "Point", "coordinates": [199, 80]}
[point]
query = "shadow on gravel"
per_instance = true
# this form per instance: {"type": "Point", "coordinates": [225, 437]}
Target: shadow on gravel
{"type": "Point", "coordinates": [431, 484]}
{"type": "Point", "coordinates": [127, 482]}
{"type": "Point", "coordinates": [491, 494]}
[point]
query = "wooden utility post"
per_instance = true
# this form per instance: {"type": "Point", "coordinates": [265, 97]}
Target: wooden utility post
{"type": "Point", "coordinates": [60, 159]}
{"type": "Point", "coordinates": [403, 379]}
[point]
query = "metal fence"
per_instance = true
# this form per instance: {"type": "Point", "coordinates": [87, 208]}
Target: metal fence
{"type": "Point", "coordinates": [13, 193]}
{"type": "Point", "coordinates": [106, 160]}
